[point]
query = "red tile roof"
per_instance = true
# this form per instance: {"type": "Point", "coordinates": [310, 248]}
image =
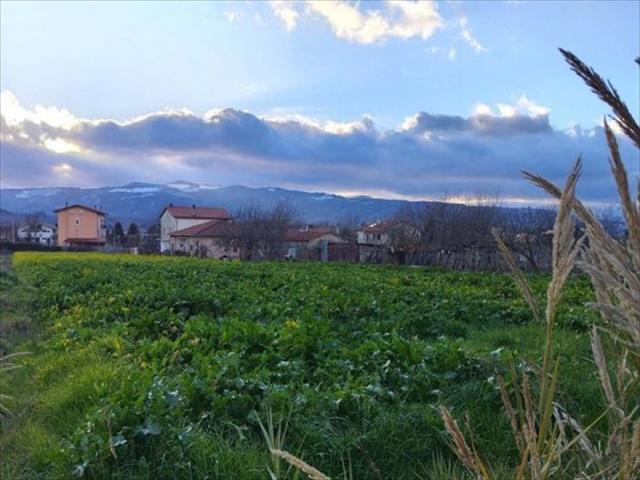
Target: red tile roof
{"type": "Point", "coordinates": [299, 235]}
{"type": "Point", "coordinates": [77, 205]}
{"type": "Point", "coordinates": [207, 213]}
{"type": "Point", "coordinates": [212, 228]}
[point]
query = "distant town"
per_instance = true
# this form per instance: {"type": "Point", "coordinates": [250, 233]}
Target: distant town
{"type": "Point", "coordinates": [438, 234]}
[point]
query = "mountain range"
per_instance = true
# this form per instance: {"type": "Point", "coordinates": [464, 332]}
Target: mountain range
{"type": "Point", "coordinates": [143, 202]}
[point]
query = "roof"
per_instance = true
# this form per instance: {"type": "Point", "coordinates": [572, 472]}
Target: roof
{"type": "Point", "coordinates": [77, 205]}
{"type": "Point", "coordinates": [212, 228]}
{"type": "Point", "coordinates": [207, 213]}
{"type": "Point", "coordinates": [305, 235]}
{"type": "Point", "coordinates": [381, 226]}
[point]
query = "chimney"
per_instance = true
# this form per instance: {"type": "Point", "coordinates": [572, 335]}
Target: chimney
{"type": "Point", "coordinates": [193, 206]}
{"type": "Point", "coordinates": [66, 204]}
{"type": "Point", "coordinates": [171, 204]}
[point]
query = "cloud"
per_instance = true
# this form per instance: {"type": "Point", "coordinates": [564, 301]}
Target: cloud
{"type": "Point", "coordinates": [466, 33]}
{"type": "Point", "coordinates": [232, 16]}
{"type": "Point", "coordinates": [428, 155]}
{"type": "Point", "coordinates": [13, 113]}
{"type": "Point", "coordinates": [369, 23]}
{"type": "Point", "coordinates": [348, 21]}
{"type": "Point", "coordinates": [286, 12]}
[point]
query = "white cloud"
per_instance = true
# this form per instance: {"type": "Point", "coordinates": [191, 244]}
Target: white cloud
{"type": "Point", "coordinates": [336, 128]}
{"type": "Point", "coordinates": [14, 114]}
{"type": "Point", "coordinates": [400, 19]}
{"type": "Point", "coordinates": [286, 12]}
{"type": "Point", "coordinates": [531, 108]}
{"type": "Point", "coordinates": [233, 16]}
{"type": "Point", "coordinates": [466, 33]}
{"type": "Point", "coordinates": [60, 145]}
{"type": "Point", "coordinates": [506, 110]}
{"type": "Point", "coordinates": [481, 109]}
{"type": "Point", "coordinates": [522, 107]}
{"type": "Point", "coordinates": [418, 19]}
{"type": "Point", "coordinates": [348, 22]}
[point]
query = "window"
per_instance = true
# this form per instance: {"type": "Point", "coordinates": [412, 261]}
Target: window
{"type": "Point", "coordinates": [77, 221]}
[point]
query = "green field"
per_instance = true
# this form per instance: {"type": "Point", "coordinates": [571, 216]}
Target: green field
{"type": "Point", "coordinates": [155, 367]}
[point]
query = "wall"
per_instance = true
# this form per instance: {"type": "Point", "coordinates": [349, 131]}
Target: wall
{"type": "Point", "coordinates": [210, 247]}
{"type": "Point", "coordinates": [79, 223]}
{"type": "Point", "coordinates": [373, 238]}
{"type": "Point", "coordinates": [170, 224]}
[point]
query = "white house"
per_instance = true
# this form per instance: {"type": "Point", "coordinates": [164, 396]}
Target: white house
{"type": "Point", "coordinates": [40, 233]}
{"type": "Point", "coordinates": [173, 219]}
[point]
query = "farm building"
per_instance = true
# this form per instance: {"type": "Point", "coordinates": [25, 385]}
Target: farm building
{"type": "Point", "coordinates": [80, 226]}
{"type": "Point", "coordinates": [173, 219]}
{"type": "Point", "coordinates": [380, 241]}
{"type": "Point", "coordinates": [208, 239]}
{"type": "Point", "coordinates": [309, 242]}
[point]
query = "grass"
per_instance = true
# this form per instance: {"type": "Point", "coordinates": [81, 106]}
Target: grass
{"type": "Point", "coordinates": [150, 366]}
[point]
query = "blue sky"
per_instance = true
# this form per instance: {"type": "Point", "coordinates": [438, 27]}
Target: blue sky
{"type": "Point", "coordinates": [348, 78]}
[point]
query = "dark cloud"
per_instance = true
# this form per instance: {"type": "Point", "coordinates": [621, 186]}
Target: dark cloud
{"type": "Point", "coordinates": [488, 125]}
{"type": "Point", "coordinates": [432, 154]}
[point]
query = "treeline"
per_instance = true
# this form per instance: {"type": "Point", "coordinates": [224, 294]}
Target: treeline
{"type": "Point", "coordinates": [459, 236]}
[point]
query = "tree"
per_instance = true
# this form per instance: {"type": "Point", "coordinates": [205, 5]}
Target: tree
{"type": "Point", "coordinates": [258, 233]}
{"type": "Point", "coordinates": [452, 226]}
{"type": "Point", "coordinates": [150, 241]}
{"type": "Point", "coordinates": [133, 235]}
{"type": "Point", "coordinates": [133, 229]}
{"type": "Point", "coordinates": [528, 233]}
{"type": "Point", "coordinates": [118, 234]}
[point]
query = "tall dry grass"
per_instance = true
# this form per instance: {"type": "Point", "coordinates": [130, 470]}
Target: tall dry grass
{"type": "Point", "coordinates": [274, 432]}
{"type": "Point", "coordinates": [552, 443]}
{"type": "Point", "coordinates": [7, 364]}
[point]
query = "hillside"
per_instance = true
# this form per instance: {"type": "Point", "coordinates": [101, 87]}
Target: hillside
{"type": "Point", "coordinates": [142, 202]}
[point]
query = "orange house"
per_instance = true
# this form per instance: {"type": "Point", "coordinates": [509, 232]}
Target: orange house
{"type": "Point", "coordinates": [80, 226]}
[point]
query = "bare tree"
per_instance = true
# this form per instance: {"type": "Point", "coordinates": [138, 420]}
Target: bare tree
{"type": "Point", "coordinates": [348, 226]}
{"type": "Point", "coordinates": [453, 226]}
{"type": "Point", "coordinates": [528, 234]}
{"type": "Point", "coordinates": [258, 233]}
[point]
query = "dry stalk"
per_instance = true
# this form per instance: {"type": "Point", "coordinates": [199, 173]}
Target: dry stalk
{"type": "Point", "coordinates": [614, 268]}
{"type": "Point", "coordinates": [308, 470]}
{"type": "Point", "coordinates": [465, 454]}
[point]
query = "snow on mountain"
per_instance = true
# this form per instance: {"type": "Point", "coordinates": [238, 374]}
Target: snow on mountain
{"type": "Point", "coordinates": [143, 202]}
{"type": "Point", "coordinates": [135, 189]}
{"type": "Point", "coordinates": [190, 187]}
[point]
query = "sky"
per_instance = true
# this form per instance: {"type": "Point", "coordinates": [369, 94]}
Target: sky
{"type": "Point", "coordinates": [392, 99]}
